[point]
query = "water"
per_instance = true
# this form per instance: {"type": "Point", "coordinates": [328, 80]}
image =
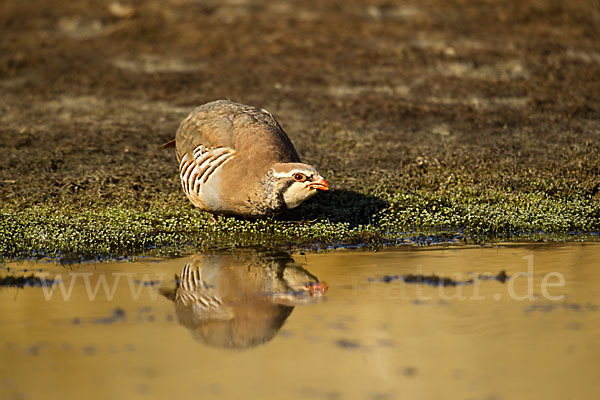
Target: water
{"type": "Point", "coordinates": [254, 325]}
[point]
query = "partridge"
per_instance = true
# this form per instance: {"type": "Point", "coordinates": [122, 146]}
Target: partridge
{"type": "Point", "coordinates": [236, 159]}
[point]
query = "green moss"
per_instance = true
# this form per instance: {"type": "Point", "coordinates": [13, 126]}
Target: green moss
{"type": "Point", "coordinates": [335, 219]}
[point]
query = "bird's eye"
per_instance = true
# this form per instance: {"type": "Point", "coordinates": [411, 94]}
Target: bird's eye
{"type": "Point", "coordinates": [299, 177]}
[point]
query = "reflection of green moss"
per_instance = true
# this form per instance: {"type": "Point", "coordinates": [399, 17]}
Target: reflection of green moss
{"type": "Point", "coordinates": [22, 281]}
{"type": "Point", "coordinates": [336, 219]}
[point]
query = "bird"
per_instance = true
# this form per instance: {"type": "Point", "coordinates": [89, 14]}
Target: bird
{"type": "Point", "coordinates": [242, 299]}
{"type": "Point", "coordinates": [235, 159]}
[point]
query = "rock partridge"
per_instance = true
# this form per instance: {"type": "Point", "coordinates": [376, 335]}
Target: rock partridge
{"type": "Point", "coordinates": [236, 159]}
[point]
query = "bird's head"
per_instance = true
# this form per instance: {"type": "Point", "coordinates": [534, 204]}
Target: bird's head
{"type": "Point", "coordinates": [296, 182]}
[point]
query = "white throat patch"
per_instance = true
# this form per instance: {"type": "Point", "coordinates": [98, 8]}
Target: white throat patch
{"type": "Point", "coordinates": [296, 194]}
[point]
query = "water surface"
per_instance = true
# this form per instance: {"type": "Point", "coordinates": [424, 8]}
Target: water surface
{"type": "Point", "coordinates": [341, 325]}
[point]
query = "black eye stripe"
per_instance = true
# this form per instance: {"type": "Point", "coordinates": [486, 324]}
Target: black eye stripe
{"type": "Point", "coordinates": [303, 176]}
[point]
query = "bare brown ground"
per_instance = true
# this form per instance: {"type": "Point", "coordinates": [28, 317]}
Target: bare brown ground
{"type": "Point", "coordinates": [413, 94]}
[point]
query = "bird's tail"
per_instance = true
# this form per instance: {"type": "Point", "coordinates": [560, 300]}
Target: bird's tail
{"type": "Point", "coordinates": [170, 143]}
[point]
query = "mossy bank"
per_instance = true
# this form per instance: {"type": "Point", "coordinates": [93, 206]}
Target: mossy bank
{"type": "Point", "coordinates": [70, 233]}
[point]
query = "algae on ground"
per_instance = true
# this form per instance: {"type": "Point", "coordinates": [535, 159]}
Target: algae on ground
{"type": "Point", "coordinates": [334, 219]}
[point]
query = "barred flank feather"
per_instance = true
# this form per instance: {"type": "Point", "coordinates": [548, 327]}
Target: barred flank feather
{"type": "Point", "coordinates": [195, 172]}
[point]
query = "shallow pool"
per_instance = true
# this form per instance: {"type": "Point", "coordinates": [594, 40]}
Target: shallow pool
{"type": "Point", "coordinates": [410, 323]}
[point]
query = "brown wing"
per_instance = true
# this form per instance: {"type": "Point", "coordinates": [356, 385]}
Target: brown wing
{"type": "Point", "coordinates": [251, 132]}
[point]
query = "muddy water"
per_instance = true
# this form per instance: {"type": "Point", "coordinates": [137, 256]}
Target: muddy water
{"type": "Point", "coordinates": [254, 325]}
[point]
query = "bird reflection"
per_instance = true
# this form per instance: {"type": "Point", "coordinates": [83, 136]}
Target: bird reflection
{"type": "Point", "coordinates": [241, 300]}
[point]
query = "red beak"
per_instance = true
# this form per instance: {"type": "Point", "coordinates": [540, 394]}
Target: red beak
{"type": "Point", "coordinates": [317, 288]}
{"type": "Point", "coordinates": [320, 184]}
